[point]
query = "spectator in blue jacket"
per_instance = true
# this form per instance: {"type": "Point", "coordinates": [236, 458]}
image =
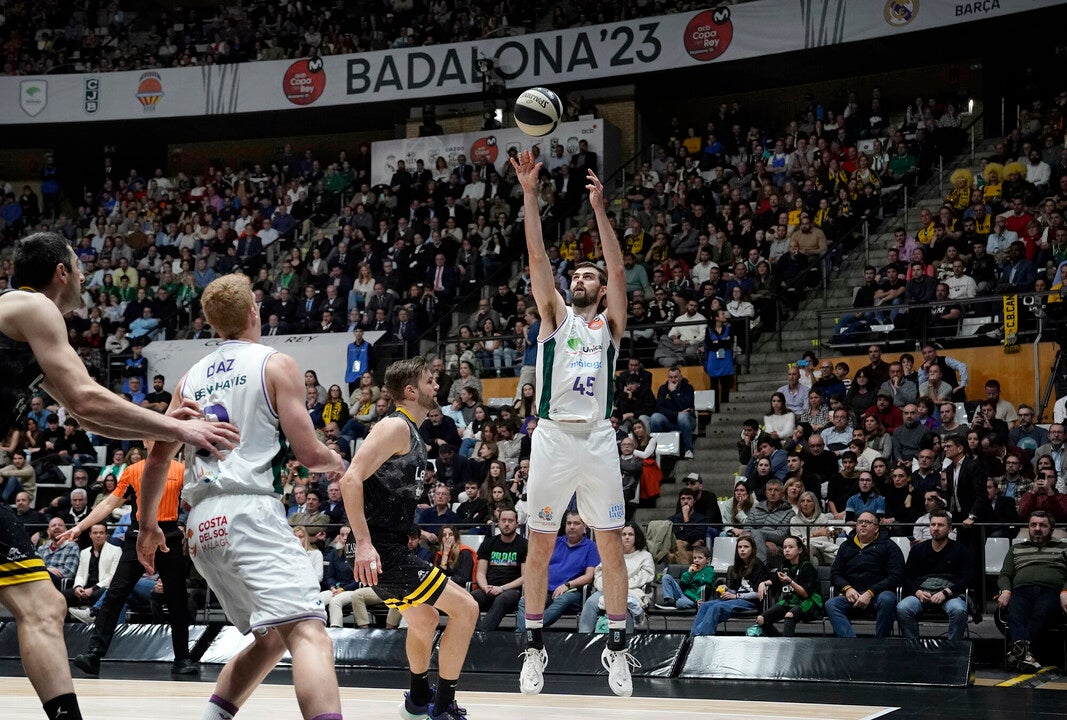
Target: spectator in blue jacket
{"type": "Point", "coordinates": [674, 409]}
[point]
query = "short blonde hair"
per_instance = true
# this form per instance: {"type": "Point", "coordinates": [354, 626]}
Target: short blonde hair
{"type": "Point", "coordinates": [226, 302]}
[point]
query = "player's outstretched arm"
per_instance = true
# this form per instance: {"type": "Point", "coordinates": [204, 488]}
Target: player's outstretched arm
{"type": "Point", "coordinates": [37, 321]}
{"type": "Point", "coordinates": [285, 388]}
{"type": "Point", "coordinates": [549, 302]}
{"type": "Point", "coordinates": [616, 295]}
{"type": "Point", "coordinates": [153, 480]}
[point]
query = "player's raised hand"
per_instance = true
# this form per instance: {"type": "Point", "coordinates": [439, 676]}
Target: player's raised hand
{"type": "Point", "coordinates": [596, 191]}
{"type": "Point", "coordinates": [526, 170]}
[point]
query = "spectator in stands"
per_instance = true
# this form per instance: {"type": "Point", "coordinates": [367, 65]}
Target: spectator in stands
{"type": "Point", "coordinates": [741, 592]}
{"type": "Point", "coordinates": [1026, 435]}
{"type": "Point", "coordinates": [867, 500]}
{"type": "Point", "coordinates": [1017, 274]}
{"type": "Point", "coordinates": [499, 572]}
{"type": "Point", "coordinates": [937, 574]}
{"type": "Point", "coordinates": [794, 394]}
{"type": "Point", "coordinates": [1033, 589]}
{"type": "Point", "coordinates": [901, 390]}
{"type": "Point", "coordinates": [877, 369]}
{"type": "Point", "coordinates": [60, 558]}
{"type": "Point", "coordinates": [948, 420]}
{"type": "Point", "coordinates": [1057, 451]}
{"type": "Point", "coordinates": [768, 521]}
{"type": "Point", "coordinates": [690, 527]}
{"type": "Point", "coordinates": [909, 437]}
{"type": "Point", "coordinates": [797, 585]}
{"type": "Point", "coordinates": [1044, 497]}
{"type": "Point", "coordinates": [964, 481]}
{"type": "Point", "coordinates": [456, 560]}
{"type": "Point", "coordinates": [867, 569]}
{"type": "Point", "coordinates": [817, 416]}
{"type": "Point", "coordinates": [837, 436]}
{"type": "Point", "coordinates": [640, 572]}
{"type": "Point", "coordinates": [18, 476]}
{"type": "Point", "coordinates": [687, 592]}
{"type": "Point", "coordinates": [986, 421]}
{"type": "Point", "coordinates": [431, 519]}
{"type": "Point", "coordinates": [998, 511]}
{"type": "Point", "coordinates": [570, 568]}
{"type": "Point", "coordinates": [675, 409]}
{"type": "Point", "coordinates": [934, 387]}
{"type": "Point", "coordinates": [682, 344]}
{"type": "Point", "coordinates": [635, 403]}
{"type": "Point", "coordinates": [96, 566]}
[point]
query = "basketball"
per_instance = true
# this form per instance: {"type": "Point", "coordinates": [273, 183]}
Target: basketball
{"type": "Point", "coordinates": [537, 111]}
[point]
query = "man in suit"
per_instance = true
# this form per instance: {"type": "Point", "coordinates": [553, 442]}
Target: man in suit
{"type": "Point", "coordinates": [442, 278]}
{"type": "Point", "coordinates": [455, 210]}
{"type": "Point", "coordinates": [965, 480]}
{"type": "Point", "coordinates": [1017, 274]}
{"type": "Point", "coordinates": [334, 509]}
{"type": "Point", "coordinates": [249, 252]}
{"type": "Point", "coordinates": [334, 302]}
{"type": "Point", "coordinates": [328, 323]}
{"type": "Point", "coordinates": [463, 169]}
{"type": "Point", "coordinates": [342, 258]}
{"type": "Point", "coordinates": [274, 327]}
{"type": "Point", "coordinates": [285, 308]}
{"type": "Point", "coordinates": [308, 312]}
{"type": "Point", "coordinates": [380, 300]}
{"type": "Point", "coordinates": [406, 332]}
{"type": "Point", "coordinates": [198, 330]}
{"type": "Point", "coordinates": [584, 160]}
{"type": "Point", "coordinates": [438, 431]}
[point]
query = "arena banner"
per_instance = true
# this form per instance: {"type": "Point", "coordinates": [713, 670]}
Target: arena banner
{"type": "Point", "coordinates": [325, 353]}
{"type": "Point", "coordinates": [493, 145]}
{"type": "Point", "coordinates": [614, 50]}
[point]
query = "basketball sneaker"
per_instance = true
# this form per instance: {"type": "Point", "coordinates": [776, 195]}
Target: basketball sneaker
{"type": "Point", "coordinates": [618, 664]}
{"type": "Point", "coordinates": [411, 711]}
{"type": "Point", "coordinates": [452, 712]}
{"type": "Point", "coordinates": [532, 676]}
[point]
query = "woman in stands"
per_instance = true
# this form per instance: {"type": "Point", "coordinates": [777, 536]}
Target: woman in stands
{"type": "Point", "coordinates": [861, 394]}
{"type": "Point", "coordinates": [760, 478]}
{"type": "Point", "coordinates": [525, 405]}
{"type": "Point", "coordinates": [467, 377]}
{"type": "Point", "coordinates": [793, 488]}
{"type": "Point", "coordinates": [362, 287]}
{"type": "Point", "coordinates": [735, 509]}
{"type": "Point", "coordinates": [797, 585]}
{"type": "Point", "coordinates": [472, 433]}
{"type": "Point", "coordinates": [780, 422]}
{"type": "Point", "coordinates": [818, 414]}
{"type": "Point", "coordinates": [458, 353]}
{"type": "Point", "coordinates": [743, 591]}
{"type": "Point", "coordinates": [311, 380]}
{"type": "Point", "coordinates": [454, 559]}
{"type": "Point", "coordinates": [812, 524]}
{"type": "Point", "coordinates": [640, 572]}
{"type": "Point", "coordinates": [335, 409]}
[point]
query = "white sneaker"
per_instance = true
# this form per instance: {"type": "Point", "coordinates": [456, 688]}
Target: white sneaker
{"type": "Point", "coordinates": [532, 676]}
{"type": "Point", "coordinates": [81, 614]}
{"type": "Point", "coordinates": [618, 664]}
{"type": "Point", "coordinates": [688, 454]}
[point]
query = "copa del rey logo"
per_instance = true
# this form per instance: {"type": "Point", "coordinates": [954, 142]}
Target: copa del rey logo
{"type": "Point", "coordinates": [708, 34]}
{"type": "Point", "coordinates": [304, 81]}
{"type": "Point", "coordinates": [33, 96]}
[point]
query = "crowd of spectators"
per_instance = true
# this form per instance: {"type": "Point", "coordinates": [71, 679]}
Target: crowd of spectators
{"type": "Point", "coordinates": [94, 36]}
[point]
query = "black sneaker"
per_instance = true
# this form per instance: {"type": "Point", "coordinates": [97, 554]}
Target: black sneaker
{"type": "Point", "coordinates": [185, 666]}
{"type": "Point", "coordinates": [88, 663]}
{"type": "Point", "coordinates": [667, 604]}
{"type": "Point", "coordinates": [452, 712]}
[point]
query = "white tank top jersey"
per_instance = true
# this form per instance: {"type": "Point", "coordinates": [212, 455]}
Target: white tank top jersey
{"type": "Point", "coordinates": [576, 365]}
{"type": "Point", "coordinates": [229, 385]}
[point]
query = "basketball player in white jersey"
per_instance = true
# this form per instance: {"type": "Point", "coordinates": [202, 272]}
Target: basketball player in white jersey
{"type": "Point", "coordinates": [574, 449]}
{"type": "Point", "coordinates": [237, 534]}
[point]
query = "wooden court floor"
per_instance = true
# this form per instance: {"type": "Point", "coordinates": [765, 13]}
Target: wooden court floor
{"type": "Point", "coordinates": [168, 700]}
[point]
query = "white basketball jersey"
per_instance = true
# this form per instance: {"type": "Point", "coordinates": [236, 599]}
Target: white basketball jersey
{"type": "Point", "coordinates": [576, 370]}
{"type": "Point", "coordinates": [229, 385]}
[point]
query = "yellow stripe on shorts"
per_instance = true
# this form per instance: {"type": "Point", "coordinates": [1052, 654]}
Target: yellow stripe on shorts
{"type": "Point", "coordinates": [23, 571]}
{"type": "Point", "coordinates": [434, 580]}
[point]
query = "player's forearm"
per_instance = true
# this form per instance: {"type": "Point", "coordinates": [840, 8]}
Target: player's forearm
{"type": "Point", "coordinates": [352, 495]}
{"type": "Point", "coordinates": [110, 415]}
{"type": "Point", "coordinates": [99, 513]}
{"type": "Point", "coordinates": [153, 481]}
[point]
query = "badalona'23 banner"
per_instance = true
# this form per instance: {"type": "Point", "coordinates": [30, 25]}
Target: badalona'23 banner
{"type": "Point", "coordinates": [599, 51]}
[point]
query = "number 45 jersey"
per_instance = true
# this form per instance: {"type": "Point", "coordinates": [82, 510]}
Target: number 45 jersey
{"type": "Point", "coordinates": [576, 365]}
{"type": "Point", "coordinates": [229, 385]}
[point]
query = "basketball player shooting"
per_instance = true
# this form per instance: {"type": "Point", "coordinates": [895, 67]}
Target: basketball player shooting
{"type": "Point", "coordinates": [573, 450]}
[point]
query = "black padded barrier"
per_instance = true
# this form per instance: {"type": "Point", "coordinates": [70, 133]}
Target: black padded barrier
{"type": "Point", "coordinates": [931, 662]}
{"type": "Point", "coordinates": [352, 648]}
{"type": "Point", "coordinates": [147, 642]}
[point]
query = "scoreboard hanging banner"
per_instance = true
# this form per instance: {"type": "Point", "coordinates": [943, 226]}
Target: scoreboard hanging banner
{"type": "Point", "coordinates": [609, 51]}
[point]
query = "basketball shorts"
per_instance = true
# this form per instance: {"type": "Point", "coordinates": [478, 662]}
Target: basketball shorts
{"type": "Point", "coordinates": [18, 562]}
{"type": "Point", "coordinates": [574, 458]}
{"type": "Point", "coordinates": [406, 580]}
{"type": "Point", "coordinates": [247, 553]}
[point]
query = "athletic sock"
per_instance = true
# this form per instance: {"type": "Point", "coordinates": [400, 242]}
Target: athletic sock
{"type": "Point", "coordinates": [420, 688]}
{"type": "Point", "coordinates": [534, 624]}
{"type": "Point", "coordinates": [446, 693]}
{"type": "Point", "coordinates": [63, 707]}
{"type": "Point", "coordinates": [617, 632]}
{"type": "Point", "coordinates": [219, 709]}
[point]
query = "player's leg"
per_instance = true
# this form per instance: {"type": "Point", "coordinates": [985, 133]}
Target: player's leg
{"type": "Point", "coordinates": [462, 613]}
{"type": "Point", "coordinates": [39, 609]}
{"type": "Point", "coordinates": [314, 678]}
{"type": "Point", "coordinates": [243, 674]}
{"type": "Point", "coordinates": [422, 624]}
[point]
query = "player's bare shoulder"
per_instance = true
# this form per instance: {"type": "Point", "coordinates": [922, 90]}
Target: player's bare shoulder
{"type": "Point", "coordinates": [20, 312]}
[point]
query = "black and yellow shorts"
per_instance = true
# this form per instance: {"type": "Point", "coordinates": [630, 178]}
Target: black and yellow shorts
{"type": "Point", "coordinates": [406, 580]}
{"type": "Point", "coordinates": [18, 563]}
